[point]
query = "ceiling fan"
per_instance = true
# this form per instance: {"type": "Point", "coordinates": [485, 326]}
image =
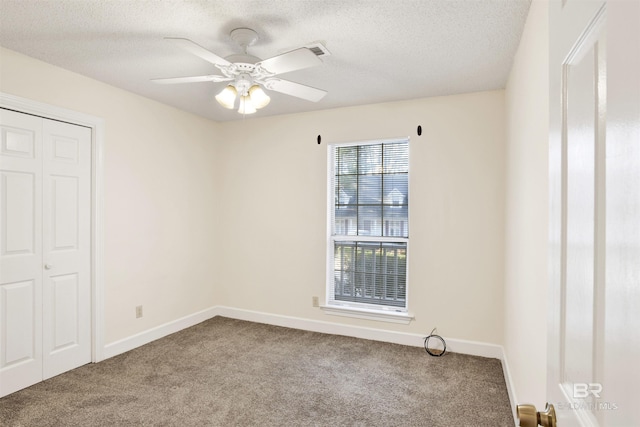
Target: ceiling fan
{"type": "Point", "coordinates": [248, 75]}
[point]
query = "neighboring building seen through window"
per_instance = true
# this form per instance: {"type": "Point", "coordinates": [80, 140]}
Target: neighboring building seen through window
{"type": "Point", "coordinates": [370, 224]}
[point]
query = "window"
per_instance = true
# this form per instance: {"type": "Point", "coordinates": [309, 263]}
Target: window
{"type": "Point", "coordinates": [369, 225]}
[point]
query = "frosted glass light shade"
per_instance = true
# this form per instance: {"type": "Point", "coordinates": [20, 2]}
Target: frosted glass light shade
{"type": "Point", "coordinates": [227, 97]}
{"type": "Point", "coordinates": [246, 106]}
{"type": "Point", "coordinates": [258, 97]}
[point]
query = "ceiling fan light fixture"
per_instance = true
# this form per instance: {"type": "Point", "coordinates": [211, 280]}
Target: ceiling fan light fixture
{"type": "Point", "coordinates": [246, 106]}
{"type": "Point", "coordinates": [258, 97]}
{"type": "Point", "coordinates": [248, 76]}
{"type": "Point", "coordinates": [227, 97]}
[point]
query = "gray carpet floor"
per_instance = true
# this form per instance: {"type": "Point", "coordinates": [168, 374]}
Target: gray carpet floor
{"type": "Point", "coordinates": [226, 372]}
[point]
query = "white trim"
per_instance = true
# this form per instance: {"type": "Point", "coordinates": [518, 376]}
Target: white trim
{"type": "Point", "coordinates": [398, 139]}
{"type": "Point", "coordinates": [158, 332]}
{"type": "Point", "coordinates": [328, 287]}
{"type": "Point", "coordinates": [97, 126]}
{"type": "Point", "coordinates": [373, 239]}
{"type": "Point", "coordinates": [356, 310]}
{"type": "Point", "coordinates": [474, 348]}
{"type": "Point", "coordinates": [363, 313]}
{"type": "Point", "coordinates": [511, 390]}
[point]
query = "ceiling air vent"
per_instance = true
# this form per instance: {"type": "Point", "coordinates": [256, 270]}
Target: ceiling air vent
{"type": "Point", "coordinates": [318, 49]}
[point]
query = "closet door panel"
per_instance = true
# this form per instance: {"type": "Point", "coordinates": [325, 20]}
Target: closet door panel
{"type": "Point", "coordinates": [66, 223]}
{"type": "Point", "coordinates": [20, 251]}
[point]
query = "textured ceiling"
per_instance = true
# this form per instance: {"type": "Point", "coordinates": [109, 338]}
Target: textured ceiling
{"type": "Point", "coordinates": [381, 50]}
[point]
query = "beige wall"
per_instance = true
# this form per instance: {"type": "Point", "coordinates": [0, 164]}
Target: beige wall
{"type": "Point", "coordinates": [201, 214]}
{"type": "Point", "coordinates": [274, 195]}
{"type": "Point", "coordinates": [160, 194]}
{"type": "Point", "coordinates": [527, 106]}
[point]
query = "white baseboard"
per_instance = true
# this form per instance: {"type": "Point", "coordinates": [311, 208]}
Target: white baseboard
{"type": "Point", "coordinates": [417, 340]}
{"type": "Point", "coordinates": [473, 348]}
{"type": "Point", "coordinates": [158, 332]}
{"type": "Point", "coordinates": [510, 387]}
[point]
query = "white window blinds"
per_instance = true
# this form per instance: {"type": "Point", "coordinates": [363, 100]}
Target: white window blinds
{"type": "Point", "coordinates": [369, 224]}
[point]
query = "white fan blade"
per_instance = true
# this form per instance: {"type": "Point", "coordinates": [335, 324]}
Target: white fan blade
{"type": "Point", "coordinates": [290, 61]}
{"type": "Point", "coordinates": [295, 89]}
{"type": "Point", "coordinates": [195, 79]}
{"type": "Point", "coordinates": [198, 50]}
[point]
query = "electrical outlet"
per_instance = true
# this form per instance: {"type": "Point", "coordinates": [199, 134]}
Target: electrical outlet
{"type": "Point", "coordinates": [138, 312]}
{"type": "Point", "coordinates": [315, 302]}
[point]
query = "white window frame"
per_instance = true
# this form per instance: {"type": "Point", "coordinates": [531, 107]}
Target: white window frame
{"type": "Point", "coordinates": [359, 309]}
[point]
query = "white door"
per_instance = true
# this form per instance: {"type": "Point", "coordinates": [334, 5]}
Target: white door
{"type": "Point", "coordinates": [594, 313]}
{"type": "Point", "coordinates": [45, 215]}
{"type": "Point", "coordinates": [20, 251]}
{"type": "Point", "coordinates": [66, 289]}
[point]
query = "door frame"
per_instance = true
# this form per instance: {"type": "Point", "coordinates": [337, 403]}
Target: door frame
{"type": "Point", "coordinates": [97, 126]}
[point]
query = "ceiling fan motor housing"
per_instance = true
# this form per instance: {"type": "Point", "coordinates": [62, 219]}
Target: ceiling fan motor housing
{"type": "Point", "coordinates": [242, 59]}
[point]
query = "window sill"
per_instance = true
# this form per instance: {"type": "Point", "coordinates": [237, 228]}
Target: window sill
{"type": "Point", "coordinates": [362, 313]}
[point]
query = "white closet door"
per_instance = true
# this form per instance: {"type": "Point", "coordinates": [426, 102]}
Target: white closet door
{"type": "Point", "coordinates": [45, 265]}
{"type": "Point", "coordinates": [66, 247]}
{"type": "Point", "coordinates": [20, 251]}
